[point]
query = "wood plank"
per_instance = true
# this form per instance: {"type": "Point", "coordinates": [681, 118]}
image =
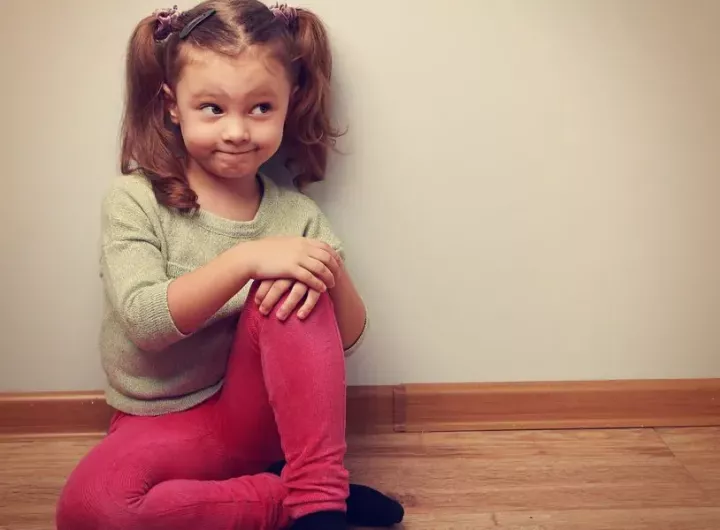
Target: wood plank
{"type": "Point", "coordinates": [522, 480]}
{"type": "Point", "coordinates": [699, 451]}
{"type": "Point", "coordinates": [672, 518]}
{"type": "Point", "coordinates": [558, 405]}
{"type": "Point", "coordinates": [677, 518]}
{"type": "Point", "coordinates": [526, 470]}
{"type": "Point", "coordinates": [31, 477]}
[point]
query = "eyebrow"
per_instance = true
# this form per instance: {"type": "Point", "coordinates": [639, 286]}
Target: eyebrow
{"type": "Point", "coordinates": [219, 93]}
{"type": "Point", "coordinates": [211, 93]}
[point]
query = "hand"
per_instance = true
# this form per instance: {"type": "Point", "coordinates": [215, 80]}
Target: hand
{"type": "Point", "coordinates": [271, 291]}
{"type": "Point", "coordinates": [308, 261]}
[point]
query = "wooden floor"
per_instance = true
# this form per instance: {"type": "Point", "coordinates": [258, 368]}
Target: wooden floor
{"type": "Point", "coordinates": [638, 479]}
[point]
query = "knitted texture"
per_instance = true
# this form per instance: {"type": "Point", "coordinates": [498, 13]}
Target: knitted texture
{"type": "Point", "coordinates": [152, 368]}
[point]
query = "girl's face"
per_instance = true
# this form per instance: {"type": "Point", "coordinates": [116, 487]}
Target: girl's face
{"type": "Point", "coordinates": [231, 110]}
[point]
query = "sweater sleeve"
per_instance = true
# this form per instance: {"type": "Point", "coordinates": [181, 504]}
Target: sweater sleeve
{"type": "Point", "coordinates": [133, 269]}
{"type": "Point", "coordinates": [319, 228]}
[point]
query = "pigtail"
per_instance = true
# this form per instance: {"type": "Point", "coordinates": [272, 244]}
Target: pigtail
{"type": "Point", "coordinates": [149, 145]}
{"type": "Point", "coordinates": [309, 132]}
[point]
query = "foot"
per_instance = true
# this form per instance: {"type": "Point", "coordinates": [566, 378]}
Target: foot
{"type": "Point", "coordinates": [365, 506]}
{"type": "Point", "coordinates": [368, 507]}
{"type": "Point", "coordinates": [321, 521]}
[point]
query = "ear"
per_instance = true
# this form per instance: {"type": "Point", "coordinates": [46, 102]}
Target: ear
{"type": "Point", "coordinates": [171, 104]}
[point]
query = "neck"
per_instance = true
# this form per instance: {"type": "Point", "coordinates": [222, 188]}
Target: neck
{"type": "Point", "coordinates": [233, 198]}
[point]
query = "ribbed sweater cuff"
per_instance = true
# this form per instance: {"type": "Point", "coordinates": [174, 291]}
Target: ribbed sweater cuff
{"type": "Point", "coordinates": [157, 327]}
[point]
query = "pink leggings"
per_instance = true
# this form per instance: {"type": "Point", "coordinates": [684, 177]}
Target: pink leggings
{"type": "Point", "coordinates": [283, 397]}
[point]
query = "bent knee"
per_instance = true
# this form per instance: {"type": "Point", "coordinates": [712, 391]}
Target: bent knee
{"type": "Point", "coordinates": [323, 310]}
{"type": "Point", "coordinates": [91, 503]}
{"type": "Point", "coordinates": [79, 508]}
{"type": "Point", "coordinates": [321, 316]}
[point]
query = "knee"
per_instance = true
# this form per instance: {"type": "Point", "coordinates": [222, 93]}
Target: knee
{"type": "Point", "coordinates": [77, 507]}
{"type": "Point", "coordinates": [323, 310]}
{"type": "Point", "coordinates": [89, 502]}
{"type": "Point", "coordinates": [321, 318]}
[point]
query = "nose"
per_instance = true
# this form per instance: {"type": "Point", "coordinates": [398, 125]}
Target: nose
{"type": "Point", "coordinates": [235, 130]}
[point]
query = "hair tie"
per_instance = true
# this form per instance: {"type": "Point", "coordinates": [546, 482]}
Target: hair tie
{"type": "Point", "coordinates": [165, 20]}
{"type": "Point", "coordinates": [288, 14]}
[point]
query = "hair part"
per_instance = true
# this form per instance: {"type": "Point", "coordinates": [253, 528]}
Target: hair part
{"type": "Point", "coordinates": [152, 146]}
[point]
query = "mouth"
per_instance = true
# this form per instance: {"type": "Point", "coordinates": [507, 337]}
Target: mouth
{"type": "Point", "coordinates": [237, 153]}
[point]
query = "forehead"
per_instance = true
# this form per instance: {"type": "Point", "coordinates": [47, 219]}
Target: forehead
{"type": "Point", "coordinates": [252, 70]}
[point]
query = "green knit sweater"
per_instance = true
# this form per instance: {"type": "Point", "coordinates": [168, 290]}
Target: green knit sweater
{"type": "Point", "coordinates": [152, 368]}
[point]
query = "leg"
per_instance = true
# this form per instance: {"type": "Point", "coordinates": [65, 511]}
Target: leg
{"type": "Point", "coordinates": [167, 472]}
{"type": "Point", "coordinates": [300, 367]}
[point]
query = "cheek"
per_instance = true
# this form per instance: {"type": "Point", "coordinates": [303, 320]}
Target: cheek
{"type": "Point", "coordinates": [268, 135]}
{"type": "Point", "coordinates": [198, 135]}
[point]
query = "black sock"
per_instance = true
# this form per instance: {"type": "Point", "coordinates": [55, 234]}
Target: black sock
{"type": "Point", "coordinates": [276, 468]}
{"type": "Point", "coordinates": [321, 521]}
{"type": "Point", "coordinates": [365, 506]}
{"type": "Point", "coordinates": [368, 507]}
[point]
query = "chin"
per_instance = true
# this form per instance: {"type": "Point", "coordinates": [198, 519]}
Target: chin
{"type": "Point", "coordinates": [245, 169]}
{"type": "Point", "coordinates": [236, 174]}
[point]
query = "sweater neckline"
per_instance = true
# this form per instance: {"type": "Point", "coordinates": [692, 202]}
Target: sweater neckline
{"type": "Point", "coordinates": [255, 226]}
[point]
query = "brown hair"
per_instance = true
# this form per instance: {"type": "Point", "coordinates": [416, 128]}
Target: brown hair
{"type": "Point", "coordinates": [153, 147]}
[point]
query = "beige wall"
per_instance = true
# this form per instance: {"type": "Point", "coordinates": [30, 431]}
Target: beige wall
{"type": "Point", "coordinates": [531, 192]}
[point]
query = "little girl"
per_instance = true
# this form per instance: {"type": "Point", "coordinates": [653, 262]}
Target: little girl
{"type": "Point", "coordinates": [228, 309]}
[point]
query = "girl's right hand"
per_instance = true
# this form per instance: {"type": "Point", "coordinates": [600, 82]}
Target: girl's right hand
{"type": "Point", "coordinates": [309, 261]}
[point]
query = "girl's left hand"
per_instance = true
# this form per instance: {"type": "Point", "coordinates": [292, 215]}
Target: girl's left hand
{"type": "Point", "coordinates": [271, 291]}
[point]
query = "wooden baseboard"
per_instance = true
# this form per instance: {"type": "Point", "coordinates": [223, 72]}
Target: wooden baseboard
{"type": "Point", "coordinates": [557, 405]}
{"type": "Point", "coordinates": [434, 407]}
{"type": "Point", "coordinates": [53, 413]}
{"type": "Point", "coordinates": [369, 410]}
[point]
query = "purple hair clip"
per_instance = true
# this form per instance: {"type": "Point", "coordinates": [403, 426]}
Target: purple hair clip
{"type": "Point", "coordinates": [165, 20]}
{"type": "Point", "coordinates": [288, 13]}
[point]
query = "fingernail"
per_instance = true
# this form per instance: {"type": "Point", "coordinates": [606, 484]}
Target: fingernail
{"type": "Point", "coordinates": [302, 314]}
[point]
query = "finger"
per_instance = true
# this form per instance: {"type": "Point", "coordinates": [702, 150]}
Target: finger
{"type": "Point", "coordinates": [323, 256]}
{"type": "Point", "coordinates": [263, 290]}
{"type": "Point", "coordinates": [278, 289]}
{"type": "Point", "coordinates": [336, 262]}
{"type": "Point", "coordinates": [310, 302]}
{"type": "Point", "coordinates": [327, 248]}
{"type": "Point", "coordinates": [336, 255]}
{"type": "Point", "coordinates": [318, 248]}
{"type": "Point", "coordinates": [297, 293]}
{"type": "Point", "coordinates": [303, 275]}
{"type": "Point", "coordinates": [320, 244]}
{"type": "Point", "coordinates": [327, 254]}
{"type": "Point", "coordinates": [320, 270]}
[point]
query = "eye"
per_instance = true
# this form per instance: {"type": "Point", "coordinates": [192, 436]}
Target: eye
{"type": "Point", "coordinates": [262, 108]}
{"type": "Point", "coordinates": [211, 109]}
